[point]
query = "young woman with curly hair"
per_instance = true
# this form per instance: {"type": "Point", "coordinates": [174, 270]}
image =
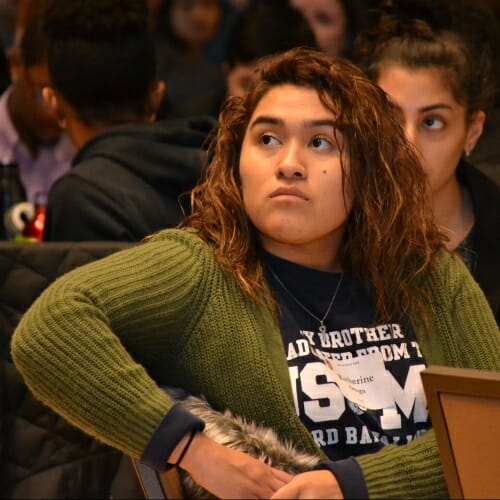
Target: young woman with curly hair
{"type": "Point", "coordinates": [436, 60]}
{"type": "Point", "coordinates": [306, 292]}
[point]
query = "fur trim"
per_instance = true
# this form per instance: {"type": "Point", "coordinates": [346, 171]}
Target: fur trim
{"type": "Point", "coordinates": [237, 433]}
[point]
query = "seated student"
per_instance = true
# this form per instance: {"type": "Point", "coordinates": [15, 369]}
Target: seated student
{"type": "Point", "coordinates": [262, 29]}
{"type": "Point", "coordinates": [335, 23]}
{"type": "Point", "coordinates": [128, 174]}
{"type": "Point", "coordinates": [288, 266]}
{"type": "Point", "coordinates": [30, 134]}
{"type": "Point", "coordinates": [190, 53]}
{"type": "Point", "coordinates": [443, 85]}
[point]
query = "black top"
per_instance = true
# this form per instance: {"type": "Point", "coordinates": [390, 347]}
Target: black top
{"type": "Point", "coordinates": [124, 184]}
{"type": "Point", "coordinates": [484, 242]}
{"type": "Point", "coordinates": [353, 334]}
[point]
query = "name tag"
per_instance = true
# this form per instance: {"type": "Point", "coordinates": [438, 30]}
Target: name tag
{"type": "Point", "coordinates": [363, 380]}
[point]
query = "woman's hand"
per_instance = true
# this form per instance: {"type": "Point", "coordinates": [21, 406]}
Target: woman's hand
{"type": "Point", "coordinates": [227, 473]}
{"type": "Point", "coordinates": [313, 484]}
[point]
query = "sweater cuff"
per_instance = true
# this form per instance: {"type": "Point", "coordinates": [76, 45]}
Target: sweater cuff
{"type": "Point", "coordinates": [348, 474]}
{"type": "Point", "coordinates": [176, 424]}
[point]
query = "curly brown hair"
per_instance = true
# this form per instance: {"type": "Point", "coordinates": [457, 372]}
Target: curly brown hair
{"type": "Point", "coordinates": [390, 238]}
{"type": "Point", "coordinates": [458, 39]}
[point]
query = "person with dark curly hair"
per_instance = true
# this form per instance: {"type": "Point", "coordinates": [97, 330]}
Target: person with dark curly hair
{"type": "Point", "coordinates": [130, 169]}
{"type": "Point", "coordinates": [305, 293]}
{"type": "Point", "coordinates": [444, 83]}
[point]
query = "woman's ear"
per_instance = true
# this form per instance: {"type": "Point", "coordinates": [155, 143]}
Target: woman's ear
{"type": "Point", "coordinates": [474, 131]}
{"type": "Point", "coordinates": [156, 96]}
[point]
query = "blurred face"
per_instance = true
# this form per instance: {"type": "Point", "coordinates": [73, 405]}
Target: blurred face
{"type": "Point", "coordinates": [39, 123]}
{"type": "Point", "coordinates": [195, 22]}
{"type": "Point", "coordinates": [238, 79]}
{"type": "Point", "coordinates": [433, 120]}
{"type": "Point", "coordinates": [328, 21]}
{"type": "Point", "coordinates": [291, 176]}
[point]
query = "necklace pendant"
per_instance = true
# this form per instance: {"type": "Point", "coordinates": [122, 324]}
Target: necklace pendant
{"type": "Point", "coordinates": [322, 327]}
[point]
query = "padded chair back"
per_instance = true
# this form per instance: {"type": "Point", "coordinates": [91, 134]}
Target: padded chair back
{"type": "Point", "coordinates": [41, 455]}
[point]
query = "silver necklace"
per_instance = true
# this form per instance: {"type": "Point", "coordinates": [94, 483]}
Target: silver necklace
{"type": "Point", "coordinates": [322, 327]}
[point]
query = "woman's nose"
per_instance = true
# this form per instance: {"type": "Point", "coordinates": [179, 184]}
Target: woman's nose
{"type": "Point", "coordinates": [413, 137]}
{"type": "Point", "coordinates": [291, 164]}
{"type": "Point", "coordinates": [411, 133]}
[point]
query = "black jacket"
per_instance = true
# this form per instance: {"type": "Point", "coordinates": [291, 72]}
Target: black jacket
{"type": "Point", "coordinates": [124, 184]}
{"type": "Point", "coordinates": [41, 455]}
{"type": "Point", "coordinates": [485, 195]}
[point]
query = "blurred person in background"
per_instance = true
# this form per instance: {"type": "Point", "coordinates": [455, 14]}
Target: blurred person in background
{"type": "Point", "coordinates": [444, 85]}
{"type": "Point", "coordinates": [260, 28]}
{"type": "Point", "coordinates": [30, 132]}
{"type": "Point", "coordinates": [335, 23]}
{"type": "Point", "coordinates": [191, 40]}
{"type": "Point", "coordinates": [263, 28]}
{"type": "Point", "coordinates": [128, 174]}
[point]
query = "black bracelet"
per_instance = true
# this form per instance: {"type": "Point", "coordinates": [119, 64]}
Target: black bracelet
{"type": "Point", "coordinates": [188, 444]}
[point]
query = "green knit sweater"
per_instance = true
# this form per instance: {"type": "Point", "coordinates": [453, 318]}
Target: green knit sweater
{"type": "Point", "coordinates": [100, 340]}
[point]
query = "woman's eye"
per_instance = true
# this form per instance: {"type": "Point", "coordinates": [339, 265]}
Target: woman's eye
{"type": "Point", "coordinates": [324, 19]}
{"type": "Point", "coordinates": [268, 140]}
{"type": "Point", "coordinates": [433, 124]}
{"type": "Point", "coordinates": [321, 143]}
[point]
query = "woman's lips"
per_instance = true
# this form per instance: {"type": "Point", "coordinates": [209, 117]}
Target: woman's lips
{"type": "Point", "coordinates": [289, 191]}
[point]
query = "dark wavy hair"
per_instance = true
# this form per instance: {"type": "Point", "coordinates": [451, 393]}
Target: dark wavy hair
{"type": "Point", "coordinates": [458, 38]}
{"type": "Point", "coordinates": [264, 28]}
{"type": "Point", "coordinates": [356, 14]}
{"type": "Point", "coordinates": [390, 239]}
{"type": "Point", "coordinates": [101, 57]}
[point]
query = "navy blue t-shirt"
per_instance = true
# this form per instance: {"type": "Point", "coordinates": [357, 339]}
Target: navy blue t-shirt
{"type": "Point", "coordinates": [341, 427]}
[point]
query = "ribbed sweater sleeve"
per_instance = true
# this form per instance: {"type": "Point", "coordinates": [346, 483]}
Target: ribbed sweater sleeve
{"type": "Point", "coordinates": [82, 344]}
{"type": "Point", "coordinates": [463, 333]}
{"type": "Point", "coordinates": [83, 347]}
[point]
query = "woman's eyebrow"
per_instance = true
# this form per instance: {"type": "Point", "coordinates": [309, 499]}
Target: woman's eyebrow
{"type": "Point", "coordinates": [433, 107]}
{"type": "Point", "coordinates": [271, 120]}
{"type": "Point", "coordinates": [327, 122]}
{"type": "Point", "coordinates": [267, 120]}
